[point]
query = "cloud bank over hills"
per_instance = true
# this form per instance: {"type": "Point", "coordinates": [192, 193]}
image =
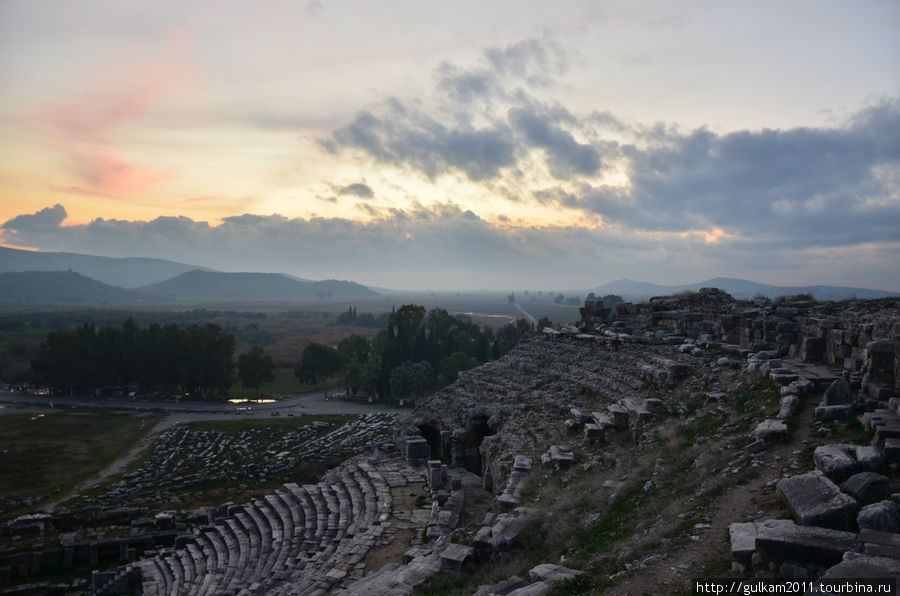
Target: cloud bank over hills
{"type": "Point", "coordinates": [497, 178]}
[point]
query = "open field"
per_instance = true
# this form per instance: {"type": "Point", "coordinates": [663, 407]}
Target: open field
{"type": "Point", "coordinates": [47, 453]}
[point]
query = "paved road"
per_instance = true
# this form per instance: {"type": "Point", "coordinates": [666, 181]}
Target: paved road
{"type": "Point", "coordinates": [311, 403]}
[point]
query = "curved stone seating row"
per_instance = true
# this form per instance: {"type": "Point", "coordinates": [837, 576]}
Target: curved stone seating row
{"type": "Point", "coordinates": [297, 540]}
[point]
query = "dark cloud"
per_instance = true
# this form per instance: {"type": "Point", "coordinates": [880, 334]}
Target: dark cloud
{"type": "Point", "coordinates": [796, 187]}
{"type": "Point", "coordinates": [466, 131]}
{"type": "Point", "coordinates": [407, 136]}
{"type": "Point", "coordinates": [47, 218]}
{"type": "Point", "coordinates": [357, 189]}
{"type": "Point", "coordinates": [566, 157]}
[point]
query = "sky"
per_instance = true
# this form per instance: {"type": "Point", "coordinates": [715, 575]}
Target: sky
{"type": "Point", "coordinates": [466, 145]}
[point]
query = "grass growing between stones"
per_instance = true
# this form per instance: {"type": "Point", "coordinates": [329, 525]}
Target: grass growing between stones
{"type": "Point", "coordinates": [45, 454]}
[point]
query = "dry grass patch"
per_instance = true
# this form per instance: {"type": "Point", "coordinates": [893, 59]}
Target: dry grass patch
{"type": "Point", "coordinates": [48, 453]}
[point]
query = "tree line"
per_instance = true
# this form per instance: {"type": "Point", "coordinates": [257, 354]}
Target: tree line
{"type": "Point", "coordinates": [417, 351]}
{"type": "Point", "coordinates": [196, 360]}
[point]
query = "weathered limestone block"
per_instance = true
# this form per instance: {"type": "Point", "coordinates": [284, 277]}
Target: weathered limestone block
{"type": "Point", "coordinates": [619, 415]}
{"type": "Point", "coordinates": [508, 527]}
{"type": "Point", "coordinates": [435, 474]}
{"type": "Point", "coordinates": [789, 405]}
{"type": "Point", "coordinates": [814, 500]}
{"type": "Point", "coordinates": [837, 394]}
{"type": "Point", "coordinates": [484, 543]}
{"type": "Point", "coordinates": [518, 478]}
{"type": "Point", "coordinates": [880, 362]}
{"type": "Point", "coordinates": [779, 539]}
{"type": "Point", "coordinates": [868, 458]}
{"type": "Point", "coordinates": [812, 349]}
{"type": "Point", "coordinates": [834, 412]}
{"type": "Point", "coordinates": [455, 556]}
{"type": "Point", "coordinates": [880, 543]}
{"type": "Point", "coordinates": [867, 486]}
{"type": "Point", "coordinates": [592, 432]}
{"type": "Point", "coordinates": [885, 432]}
{"type": "Point", "coordinates": [581, 417]}
{"type": "Point", "coordinates": [892, 450]}
{"type": "Point", "coordinates": [636, 411]}
{"type": "Point", "coordinates": [548, 572]}
{"type": "Point", "coordinates": [863, 566]}
{"type": "Point", "coordinates": [603, 420]}
{"type": "Point", "coordinates": [882, 516]}
{"type": "Point", "coordinates": [756, 447]}
{"type": "Point", "coordinates": [417, 451]}
{"type": "Point", "coordinates": [743, 541]}
{"type": "Point", "coordinates": [836, 461]}
{"type": "Point", "coordinates": [559, 456]}
{"type": "Point", "coordinates": [783, 376]}
{"type": "Point", "coordinates": [771, 430]}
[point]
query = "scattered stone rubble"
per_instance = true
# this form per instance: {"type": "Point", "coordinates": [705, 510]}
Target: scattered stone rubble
{"type": "Point", "coordinates": [609, 381]}
{"type": "Point", "coordinates": [845, 517]}
{"type": "Point", "coordinates": [183, 458]}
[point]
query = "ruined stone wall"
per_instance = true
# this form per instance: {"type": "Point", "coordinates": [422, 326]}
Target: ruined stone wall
{"type": "Point", "coordinates": [861, 337]}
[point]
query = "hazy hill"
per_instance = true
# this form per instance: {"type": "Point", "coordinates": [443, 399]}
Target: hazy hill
{"type": "Point", "coordinates": [210, 285]}
{"type": "Point", "coordinates": [56, 287]}
{"type": "Point", "coordinates": [739, 288]}
{"type": "Point", "coordinates": [125, 272]}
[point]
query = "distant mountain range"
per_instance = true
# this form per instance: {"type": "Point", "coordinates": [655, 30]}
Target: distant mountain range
{"type": "Point", "coordinates": [741, 289]}
{"type": "Point", "coordinates": [57, 287]}
{"type": "Point", "coordinates": [68, 278]}
{"type": "Point", "coordinates": [214, 285]}
{"type": "Point", "coordinates": [128, 272]}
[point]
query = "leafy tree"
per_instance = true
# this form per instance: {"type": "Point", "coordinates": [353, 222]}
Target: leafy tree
{"type": "Point", "coordinates": [610, 300]}
{"type": "Point", "coordinates": [404, 326]}
{"type": "Point", "coordinates": [544, 322]}
{"type": "Point", "coordinates": [411, 378]}
{"type": "Point", "coordinates": [451, 365]}
{"type": "Point", "coordinates": [85, 358]}
{"type": "Point", "coordinates": [354, 347]}
{"type": "Point", "coordinates": [255, 368]}
{"type": "Point", "coordinates": [318, 362]}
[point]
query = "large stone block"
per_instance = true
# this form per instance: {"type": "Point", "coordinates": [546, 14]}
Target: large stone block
{"type": "Point", "coordinates": [883, 516]}
{"type": "Point", "coordinates": [783, 539]}
{"type": "Point", "coordinates": [552, 573]}
{"type": "Point", "coordinates": [838, 394]}
{"type": "Point", "coordinates": [771, 430]}
{"type": "Point", "coordinates": [812, 349]}
{"type": "Point", "coordinates": [743, 541]}
{"type": "Point", "coordinates": [814, 500]}
{"type": "Point", "coordinates": [834, 412]}
{"type": "Point", "coordinates": [455, 556]}
{"type": "Point", "coordinates": [836, 461]}
{"type": "Point", "coordinates": [867, 486]}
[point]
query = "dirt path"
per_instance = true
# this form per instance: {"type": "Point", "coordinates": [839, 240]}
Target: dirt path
{"type": "Point", "coordinates": [674, 571]}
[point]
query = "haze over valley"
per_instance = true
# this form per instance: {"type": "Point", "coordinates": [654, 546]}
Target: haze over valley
{"type": "Point", "coordinates": [496, 298]}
